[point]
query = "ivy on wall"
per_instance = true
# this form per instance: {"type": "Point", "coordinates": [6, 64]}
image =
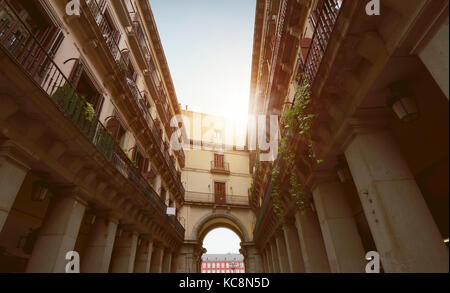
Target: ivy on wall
{"type": "Point", "coordinates": [297, 122]}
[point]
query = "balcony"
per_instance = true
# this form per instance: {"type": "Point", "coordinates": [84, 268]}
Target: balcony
{"type": "Point", "coordinates": [138, 43]}
{"type": "Point", "coordinates": [38, 65]}
{"type": "Point", "coordinates": [122, 8]}
{"type": "Point", "coordinates": [22, 47]}
{"type": "Point", "coordinates": [98, 16]}
{"type": "Point", "coordinates": [323, 21]}
{"type": "Point", "coordinates": [220, 167]}
{"type": "Point", "coordinates": [211, 198]}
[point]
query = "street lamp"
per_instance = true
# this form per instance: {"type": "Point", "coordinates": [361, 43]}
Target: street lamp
{"type": "Point", "coordinates": [402, 102]}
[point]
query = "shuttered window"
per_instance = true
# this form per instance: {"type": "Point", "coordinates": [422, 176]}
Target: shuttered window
{"type": "Point", "coordinates": [219, 162]}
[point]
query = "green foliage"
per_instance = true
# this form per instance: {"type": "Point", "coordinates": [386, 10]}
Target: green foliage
{"type": "Point", "coordinates": [123, 66]}
{"type": "Point", "coordinates": [297, 122]}
{"type": "Point", "coordinates": [128, 156]}
{"type": "Point", "coordinates": [89, 112]}
{"type": "Point", "coordinates": [67, 94]}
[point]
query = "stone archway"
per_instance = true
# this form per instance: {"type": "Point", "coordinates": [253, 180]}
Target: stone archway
{"type": "Point", "coordinates": [215, 220]}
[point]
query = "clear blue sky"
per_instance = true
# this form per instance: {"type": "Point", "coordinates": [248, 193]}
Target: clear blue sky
{"type": "Point", "coordinates": [208, 45]}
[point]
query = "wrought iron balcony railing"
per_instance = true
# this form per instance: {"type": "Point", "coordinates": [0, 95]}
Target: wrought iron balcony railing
{"type": "Point", "coordinates": [222, 167]}
{"type": "Point", "coordinates": [20, 44]}
{"type": "Point", "coordinates": [108, 35]}
{"type": "Point", "coordinates": [26, 50]}
{"type": "Point", "coordinates": [323, 21]}
{"type": "Point", "coordinates": [139, 33]}
{"type": "Point", "coordinates": [201, 197]}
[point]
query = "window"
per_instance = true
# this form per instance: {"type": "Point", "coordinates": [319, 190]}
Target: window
{"type": "Point", "coordinates": [204, 265]}
{"type": "Point", "coordinates": [213, 265]}
{"type": "Point", "coordinates": [115, 127]}
{"type": "Point", "coordinates": [209, 265]}
{"type": "Point", "coordinates": [242, 264]}
{"type": "Point", "coordinates": [80, 79]}
{"type": "Point", "coordinates": [219, 161]}
{"type": "Point", "coordinates": [223, 271]}
{"type": "Point", "coordinates": [12, 34]}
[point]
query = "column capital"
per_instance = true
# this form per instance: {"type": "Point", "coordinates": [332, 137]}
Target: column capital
{"type": "Point", "coordinates": [323, 176]}
{"type": "Point", "coordinates": [76, 192]}
{"type": "Point", "coordinates": [366, 121]}
{"type": "Point", "coordinates": [12, 152]}
{"type": "Point", "coordinates": [111, 215]}
{"type": "Point", "coordinates": [130, 228]}
{"type": "Point", "coordinates": [147, 236]}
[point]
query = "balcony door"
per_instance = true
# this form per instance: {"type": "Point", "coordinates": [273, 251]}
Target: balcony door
{"type": "Point", "coordinates": [219, 162]}
{"type": "Point", "coordinates": [219, 192]}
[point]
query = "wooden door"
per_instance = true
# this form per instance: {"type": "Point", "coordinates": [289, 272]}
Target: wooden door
{"type": "Point", "coordinates": [219, 192]}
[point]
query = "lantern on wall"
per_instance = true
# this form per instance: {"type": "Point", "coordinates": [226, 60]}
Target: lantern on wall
{"type": "Point", "coordinates": [402, 102]}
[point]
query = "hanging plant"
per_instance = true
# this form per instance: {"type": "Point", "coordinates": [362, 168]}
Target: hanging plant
{"type": "Point", "coordinates": [297, 122]}
{"type": "Point", "coordinates": [88, 111]}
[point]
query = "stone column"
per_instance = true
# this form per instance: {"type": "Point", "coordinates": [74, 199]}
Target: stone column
{"type": "Point", "coordinates": [435, 57]}
{"type": "Point", "coordinates": [12, 175]}
{"type": "Point", "coordinates": [268, 260]}
{"type": "Point", "coordinates": [157, 259]}
{"type": "Point", "coordinates": [58, 233]}
{"type": "Point", "coordinates": [311, 242]}
{"type": "Point", "coordinates": [167, 260]}
{"type": "Point", "coordinates": [124, 253]}
{"type": "Point", "coordinates": [97, 255]}
{"type": "Point", "coordinates": [343, 243]}
{"type": "Point", "coordinates": [144, 256]}
{"type": "Point", "coordinates": [294, 251]}
{"type": "Point", "coordinates": [403, 228]}
{"type": "Point", "coordinates": [264, 260]}
{"type": "Point", "coordinates": [282, 252]}
{"type": "Point", "coordinates": [187, 255]}
{"type": "Point", "coordinates": [253, 261]}
{"type": "Point", "coordinates": [275, 259]}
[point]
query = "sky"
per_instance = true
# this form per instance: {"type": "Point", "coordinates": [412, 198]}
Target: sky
{"type": "Point", "coordinates": [208, 46]}
{"type": "Point", "coordinates": [222, 241]}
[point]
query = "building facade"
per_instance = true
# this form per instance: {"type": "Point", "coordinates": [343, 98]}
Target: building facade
{"type": "Point", "coordinates": [363, 131]}
{"type": "Point", "coordinates": [223, 264]}
{"type": "Point", "coordinates": [85, 159]}
{"type": "Point", "coordinates": [89, 116]}
{"type": "Point", "coordinates": [217, 180]}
